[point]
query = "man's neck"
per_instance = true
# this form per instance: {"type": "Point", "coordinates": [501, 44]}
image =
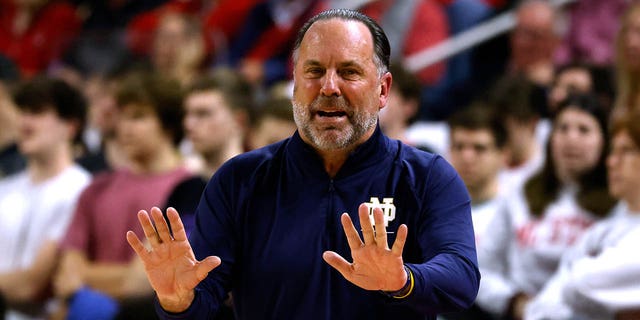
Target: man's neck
{"type": "Point", "coordinates": [44, 167]}
{"type": "Point", "coordinates": [214, 160]}
{"type": "Point", "coordinates": [484, 193]}
{"type": "Point", "coordinates": [633, 204]}
{"type": "Point", "coordinates": [165, 159]}
{"type": "Point", "coordinates": [333, 160]}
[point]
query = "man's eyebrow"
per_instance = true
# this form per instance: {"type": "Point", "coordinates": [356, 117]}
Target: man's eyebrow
{"type": "Point", "coordinates": [312, 63]}
{"type": "Point", "coordinates": [350, 63]}
{"type": "Point", "coordinates": [346, 64]}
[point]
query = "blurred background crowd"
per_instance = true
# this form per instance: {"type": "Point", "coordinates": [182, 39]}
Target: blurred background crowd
{"type": "Point", "coordinates": [108, 107]}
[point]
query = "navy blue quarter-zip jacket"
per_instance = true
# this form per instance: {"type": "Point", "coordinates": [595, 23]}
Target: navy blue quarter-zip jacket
{"type": "Point", "coordinates": [269, 214]}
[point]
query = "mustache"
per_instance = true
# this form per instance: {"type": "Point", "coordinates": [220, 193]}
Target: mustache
{"type": "Point", "coordinates": [333, 102]}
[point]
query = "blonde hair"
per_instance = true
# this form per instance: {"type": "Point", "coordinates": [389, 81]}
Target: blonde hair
{"type": "Point", "coordinates": [627, 81]}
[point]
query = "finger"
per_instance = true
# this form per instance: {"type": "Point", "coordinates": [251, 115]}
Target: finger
{"type": "Point", "coordinates": [381, 230]}
{"type": "Point", "coordinates": [365, 224]}
{"type": "Point", "coordinates": [179, 234]}
{"type": "Point", "coordinates": [353, 238]}
{"type": "Point", "coordinates": [338, 263]}
{"type": "Point", "coordinates": [401, 239]}
{"type": "Point", "coordinates": [205, 266]}
{"type": "Point", "coordinates": [136, 244]}
{"type": "Point", "coordinates": [161, 224]}
{"type": "Point", "coordinates": [148, 228]}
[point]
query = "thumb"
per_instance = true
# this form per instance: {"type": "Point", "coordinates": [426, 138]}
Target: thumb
{"type": "Point", "coordinates": [205, 266]}
{"type": "Point", "coordinates": [337, 262]}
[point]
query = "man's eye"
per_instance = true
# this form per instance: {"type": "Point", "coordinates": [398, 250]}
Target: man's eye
{"type": "Point", "coordinates": [349, 72]}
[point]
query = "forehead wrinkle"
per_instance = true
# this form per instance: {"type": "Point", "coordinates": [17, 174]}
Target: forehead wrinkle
{"type": "Point", "coordinates": [351, 36]}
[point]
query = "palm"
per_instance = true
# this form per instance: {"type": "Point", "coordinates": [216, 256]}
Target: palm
{"type": "Point", "coordinates": [171, 266]}
{"type": "Point", "coordinates": [375, 266]}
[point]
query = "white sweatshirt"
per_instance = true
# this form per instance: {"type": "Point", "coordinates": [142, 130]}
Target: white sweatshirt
{"type": "Point", "coordinates": [599, 276]}
{"type": "Point", "coordinates": [520, 253]}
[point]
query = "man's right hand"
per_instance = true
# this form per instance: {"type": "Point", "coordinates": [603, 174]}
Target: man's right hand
{"type": "Point", "coordinates": [170, 264]}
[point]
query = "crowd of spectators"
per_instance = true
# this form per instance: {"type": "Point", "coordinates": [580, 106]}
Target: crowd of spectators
{"type": "Point", "coordinates": [109, 107]}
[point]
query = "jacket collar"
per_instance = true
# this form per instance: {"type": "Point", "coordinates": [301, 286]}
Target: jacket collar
{"type": "Point", "coordinates": [371, 152]}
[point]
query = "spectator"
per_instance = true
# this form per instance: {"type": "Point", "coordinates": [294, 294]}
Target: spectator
{"type": "Point", "coordinates": [94, 257]}
{"type": "Point", "coordinates": [216, 118]}
{"type": "Point", "coordinates": [272, 122]}
{"type": "Point", "coordinates": [103, 153]}
{"type": "Point", "coordinates": [36, 33]}
{"type": "Point", "coordinates": [402, 108]}
{"type": "Point", "coordinates": [515, 98]}
{"type": "Point", "coordinates": [261, 50]}
{"type": "Point", "coordinates": [478, 140]}
{"type": "Point", "coordinates": [36, 205]}
{"type": "Point", "coordinates": [595, 278]}
{"type": "Point", "coordinates": [178, 49]}
{"type": "Point", "coordinates": [534, 41]}
{"type": "Point", "coordinates": [477, 149]}
{"type": "Point", "coordinates": [221, 21]}
{"type": "Point", "coordinates": [553, 209]}
{"type": "Point", "coordinates": [412, 26]}
{"type": "Point", "coordinates": [628, 60]}
{"type": "Point", "coordinates": [11, 160]}
{"type": "Point", "coordinates": [575, 78]}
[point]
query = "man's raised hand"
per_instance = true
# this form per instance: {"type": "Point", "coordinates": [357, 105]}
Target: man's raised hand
{"type": "Point", "coordinates": [375, 266]}
{"type": "Point", "coordinates": [170, 264]}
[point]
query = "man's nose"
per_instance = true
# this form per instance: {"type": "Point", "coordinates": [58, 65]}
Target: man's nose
{"type": "Point", "coordinates": [330, 85]}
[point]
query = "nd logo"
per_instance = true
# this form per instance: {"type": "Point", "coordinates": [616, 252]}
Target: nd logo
{"type": "Point", "coordinates": [388, 209]}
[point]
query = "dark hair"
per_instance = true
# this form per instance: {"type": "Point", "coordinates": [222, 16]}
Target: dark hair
{"type": "Point", "coordinates": [44, 93]}
{"type": "Point", "coordinates": [276, 107]}
{"type": "Point", "coordinates": [236, 91]}
{"type": "Point", "coordinates": [602, 81]}
{"type": "Point", "coordinates": [515, 97]}
{"type": "Point", "coordinates": [480, 116]}
{"type": "Point", "coordinates": [163, 95]}
{"type": "Point", "coordinates": [542, 188]}
{"type": "Point", "coordinates": [381, 45]}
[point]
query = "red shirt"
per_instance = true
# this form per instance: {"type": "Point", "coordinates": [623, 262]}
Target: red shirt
{"type": "Point", "coordinates": [428, 26]}
{"type": "Point", "coordinates": [51, 31]}
{"type": "Point", "coordinates": [224, 20]}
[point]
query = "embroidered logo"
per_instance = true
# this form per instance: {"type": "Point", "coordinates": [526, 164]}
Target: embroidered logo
{"type": "Point", "coordinates": [387, 206]}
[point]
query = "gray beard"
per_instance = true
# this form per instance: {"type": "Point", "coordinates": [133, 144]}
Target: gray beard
{"type": "Point", "coordinates": [361, 123]}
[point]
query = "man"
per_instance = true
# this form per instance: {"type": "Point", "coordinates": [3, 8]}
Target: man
{"type": "Point", "coordinates": [216, 115]}
{"type": "Point", "coordinates": [36, 204]}
{"type": "Point", "coordinates": [534, 41]}
{"type": "Point", "coordinates": [93, 255]}
{"type": "Point", "coordinates": [271, 215]}
{"type": "Point", "coordinates": [477, 152]}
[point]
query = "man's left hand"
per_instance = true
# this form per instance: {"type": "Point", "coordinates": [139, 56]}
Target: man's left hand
{"type": "Point", "coordinates": [375, 266]}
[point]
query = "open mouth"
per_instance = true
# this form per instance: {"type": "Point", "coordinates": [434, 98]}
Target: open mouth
{"type": "Point", "coordinates": [332, 113]}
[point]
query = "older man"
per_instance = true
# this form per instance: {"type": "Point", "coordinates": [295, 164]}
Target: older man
{"type": "Point", "coordinates": [269, 218]}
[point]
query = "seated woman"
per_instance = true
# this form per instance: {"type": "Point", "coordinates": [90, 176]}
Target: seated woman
{"type": "Point", "coordinates": [597, 279]}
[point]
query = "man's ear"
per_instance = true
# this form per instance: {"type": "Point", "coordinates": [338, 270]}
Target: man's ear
{"type": "Point", "coordinates": [385, 88]}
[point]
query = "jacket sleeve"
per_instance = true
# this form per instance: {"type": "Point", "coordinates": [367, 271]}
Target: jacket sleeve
{"type": "Point", "coordinates": [607, 280]}
{"type": "Point", "coordinates": [213, 235]}
{"type": "Point", "coordinates": [448, 279]}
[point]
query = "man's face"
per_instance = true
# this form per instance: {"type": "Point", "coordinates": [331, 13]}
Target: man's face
{"type": "Point", "coordinates": [140, 132]}
{"type": "Point", "coordinates": [474, 154]}
{"type": "Point", "coordinates": [42, 132]}
{"type": "Point", "coordinates": [533, 40]}
{"type": "Point", "coordinates": [623, 166]}
{"type": "Point", "coordinates": [337, 91]}
{"type": "Point", "coordinates": [209, 122]}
